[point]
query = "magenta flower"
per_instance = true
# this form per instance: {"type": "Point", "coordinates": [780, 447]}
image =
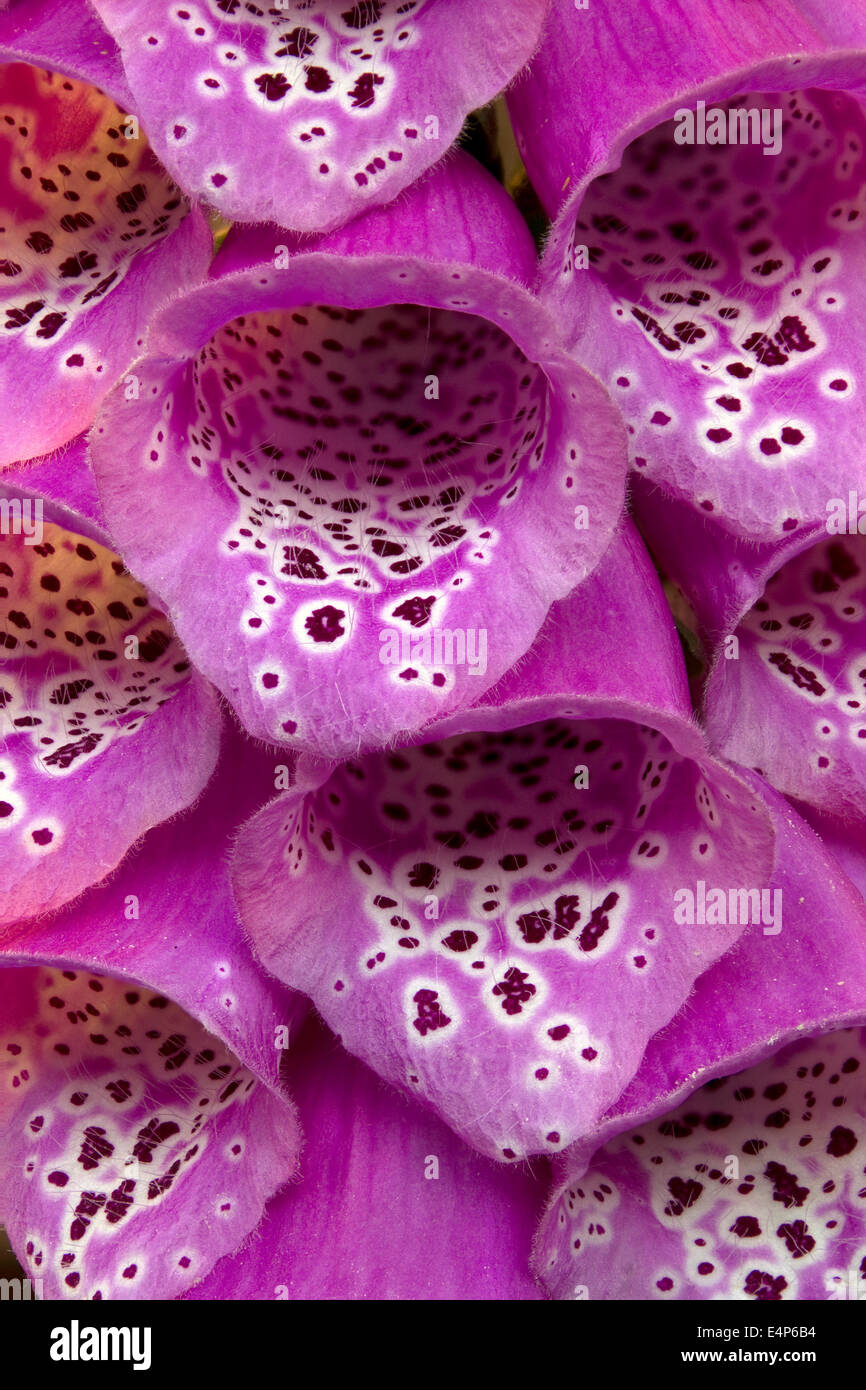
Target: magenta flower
{"type": "Point", "coordinates": [499, 885]}
{"type": "Point", "coordinates": [95, 233]}
{"type": "Point", "coordinates": [106, 728]}
{"type": "Point", "coordinates": [407, 890]}
{"type": "Point", "coordinates": [360, 441]}
{"type": "Point", "coordinates": [783, 626]}
{"type": "Point", "coordinates": [747, 1190]}
{"type": "Point", "coordinates": [144, 1124]}
{"type": "Point", "coordinates": [307, 114]}
{"type": "Point", "coordinates": [750, 1188]}
{"type": "Point", "coordinates": [708, 167]}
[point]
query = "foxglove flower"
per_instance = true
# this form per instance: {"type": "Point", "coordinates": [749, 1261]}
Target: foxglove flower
{"type": "Point", "coordinates": [364, 466]}
{"type": "Point", "coordinates": [343, 454]}
{"type": "Point", "coordinates": [390, 1204]}
{"type": "Point", "coordinates": [305, 114]}
{"type": "Point", "coordinates": [143, 1124]}
{"type": "Point", "coordinates": [497, 887]}
{"type": "Point", "coordinates": [95, 234]}
{"type": "Point", "coordinates": [751, 1187]}
{"type": "Point", "coordinates": [714, 287]}
{"type": "Point", "coordinates": [106, 729]}
{"type": "Point", "coordinates": [785, 628]}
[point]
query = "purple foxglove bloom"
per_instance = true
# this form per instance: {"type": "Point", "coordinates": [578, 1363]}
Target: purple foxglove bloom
{"type": "Point", "coordinates": [359, 472]}
{"type": "Point", "coordinates": [95, 233]}
{"type": "Point", "coordinates": [143, 1124]}
{"type": "Point", "coordinates": [704, 165]}
{"type": "Point", "coordinates": [106, 729]}
{"type": "Point", "coordinates": [306, 114]}
{"type": "Point", "coordinates": [750, 1188]}
{"type": "Point", "coordinates": [368, 482]}
{"type": "Point", "coordinates": [391, 1204]}
{"type": "Point", "coordinates": [496, 888]}
{"type": "Point", "coordinates": [786, 632]}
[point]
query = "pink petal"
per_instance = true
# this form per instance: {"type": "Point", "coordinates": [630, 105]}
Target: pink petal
{"type": "Point", "coordinates": [106, 729]}
{"type": "Point", "coordinates": [299, 545]}
{"type": "Point", "coordinates": [784, 624]}
{"type": "Point", "coordinates": [752, 1189]}
{"type": "Point", "coordinates": [773, 988]}
{"type": "Point", "coordinates": [487, 908]}
{"type": "Point", "coordinates": [66, 35]}
{"type": "Point", "coordinates": [97, 235]}
{"type": "Point", "coordinates": [64, 481]}
{"type": "Point", "coordinates": [390, 1204]}
{"type": "Point", "coordinates": [308, 123]}
{"type": "Point", "coordinates": [145, 1125]}
{"type": "Point", "coordinates": [793, 705]}
{"type": "Point", "coordinates": [722, 307]}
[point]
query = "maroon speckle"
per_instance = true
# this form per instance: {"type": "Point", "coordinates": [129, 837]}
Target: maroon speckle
{"type": "Point", "coordinates": [515, 990]}
{"type": "Point", "coordinates": [842, 1142]}
{"type": "Point", "coordinates": [430, 1013]}
{"type": "Point", "coordinates": [763, 1286]}
{"type": "Point", "coordinates": [746, 1227]}
{"type": "Point", "coordinates": [325, 624]}
{"type": "Point", "coordinates": [273, 85]}
{"type": "Point", "coordinates": [685, 1192]}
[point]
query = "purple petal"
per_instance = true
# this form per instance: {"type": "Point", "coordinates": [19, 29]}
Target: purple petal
{"type": "Point", "coordinates": [784, 625]}
{"type": "Point", "coordinates": [106, 729]}
{"type": "Point", "coordinates": [390, 1204]}
{"type": "Point", "coordinates": [773, 987]}
{"type": "Point", "coordinates": [722, 306]}
{"type": "Point", "coordinates": [722, 575]}
{"type": "Point", "coordinates": [308, 117]}
{"type": "Point", "coordinates": [66, 35]}
{"type": "Point", "coordinates": [64, 481]}
{"type": "Point", "coordinates": [604, 75]}
{"type": "Point", "coordinates": [751, 1189]}
{"type": "Point", "coordinates": [360, 481]}
{"type": "Point", "coordinates": [844, 841]}
{"type": "Point", "coordinates": [97, 235]}
{"type": "Point", "coordinates": [793, 703]}
{"type": "Point", "coordinates": [497, 888]}
{"type": "Point", "coordinates": [136, 1010]}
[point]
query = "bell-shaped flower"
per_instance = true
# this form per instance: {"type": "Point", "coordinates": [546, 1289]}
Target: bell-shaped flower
{"type": "Point", "coordinates": [705, 169]}
{"type": "Point", "coordinates": [751, 1187]}
{"type": "Point", "coordinates": [360, 470]}
{"type": "Point", "coordinates": [106, 729]}
{"type": "Point", "coordinates": [143, 1123]}
{"type": "Point", "coordinates": [465, 912]}
{"type": "Point", "coordinates": [307, 114]}
{"type": "Point", "coordinates": [785, 629]}
{"type": "Point", "coordinates": [95, 235]}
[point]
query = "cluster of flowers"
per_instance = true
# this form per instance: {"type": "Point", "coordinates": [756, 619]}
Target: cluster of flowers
{"type": "Point", "coordinates": [380, 919]}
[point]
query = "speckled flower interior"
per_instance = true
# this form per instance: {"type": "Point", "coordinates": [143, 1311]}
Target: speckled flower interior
{"type": "Point", "coordinates": [433, 654]}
